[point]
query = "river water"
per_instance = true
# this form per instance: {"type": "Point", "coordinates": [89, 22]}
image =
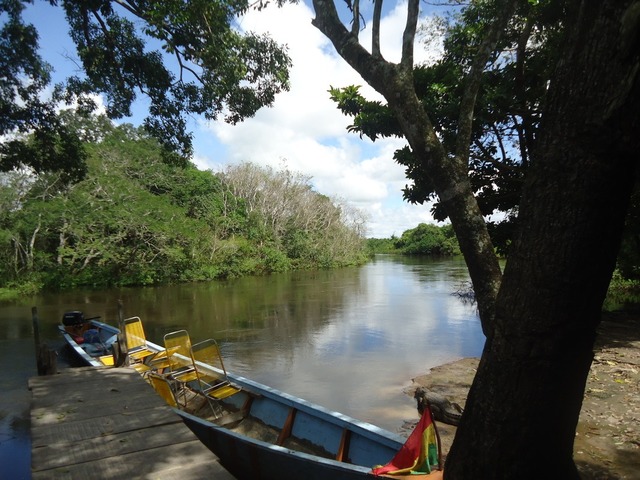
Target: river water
{"type": "Point", "coordinates": [347, 339]}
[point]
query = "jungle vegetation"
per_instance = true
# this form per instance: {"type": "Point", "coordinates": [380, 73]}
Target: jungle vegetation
{"type": "Point", "coordinates": [136, 220]}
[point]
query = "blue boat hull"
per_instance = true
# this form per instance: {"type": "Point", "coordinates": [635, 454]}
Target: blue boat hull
{"type": "Point", "coordinates": [342, 447]}
{"type": "Point", "coordinates": [251, 459]}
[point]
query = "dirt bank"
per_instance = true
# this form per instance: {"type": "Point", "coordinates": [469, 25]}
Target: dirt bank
{"type": "Point", "coordinates": [607, 445]}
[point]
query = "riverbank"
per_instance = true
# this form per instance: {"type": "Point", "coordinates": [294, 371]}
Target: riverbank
{"type": "Point", "coordinates": [607, 445]}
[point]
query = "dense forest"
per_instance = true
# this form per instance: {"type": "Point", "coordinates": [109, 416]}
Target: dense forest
{"type": "Point", "coordinates": [136, 219]}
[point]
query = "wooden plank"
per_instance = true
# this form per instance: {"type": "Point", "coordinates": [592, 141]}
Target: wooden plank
{"type": "Point", "coordinates": [65, 452]}
{"type": "Point", "coordinates": [110, 424]}
{"type": "Point", "coordinates": [288, 426]}
{"type": "Point", "coordinates": [79, 431]}
{"type": "Point", "coordinates": [141, 464]}
{"type": "Point", "coordinates": [78, 376]}
{"type": "Point", "coordinates": [117, 392]}
{"type": "Point", "coordinates": [343, 450]}
{"type": "Point", "coordinates": [80, 389]}
{"type": "Point", "coordinates": [81, 407]}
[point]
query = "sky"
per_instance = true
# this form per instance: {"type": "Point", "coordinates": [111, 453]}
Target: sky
{"type": "Point", "coordinates": [303, 131]}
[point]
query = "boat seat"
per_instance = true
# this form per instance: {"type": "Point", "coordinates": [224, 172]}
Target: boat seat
{"type": "Point", "coordinates": [106, 360]}
{"type": "Point", "coordinates": [162, 387]}
{"type": "Point", "coordinates": [136, 340]}
{"type": "Point", "coordinates": [180, 363]}
{"type": "Point", "coordinates": [213, 382]}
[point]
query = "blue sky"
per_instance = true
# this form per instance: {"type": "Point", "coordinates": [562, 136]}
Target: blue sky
{"type": "Point", "coordinates": [303, 131]}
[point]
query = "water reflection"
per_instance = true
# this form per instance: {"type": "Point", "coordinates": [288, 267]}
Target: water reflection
{"type": "Point", "coordinates": [347, 339]}
{"type": "Point", "coordinates": [393, 321]}
{"type": "Point", "coordinates": [15, 445]}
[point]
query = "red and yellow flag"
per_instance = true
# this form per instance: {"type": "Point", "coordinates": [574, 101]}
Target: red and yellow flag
{"type": "Point", "coordinates": [420, 452]}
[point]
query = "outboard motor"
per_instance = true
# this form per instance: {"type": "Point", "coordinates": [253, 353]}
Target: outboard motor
{"type": "Point", "coordinates": [73, 319]}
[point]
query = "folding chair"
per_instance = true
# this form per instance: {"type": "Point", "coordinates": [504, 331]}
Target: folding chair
{"type": "Point", "coordinates": [182, 369]}
{"type": "Point", "coordinates": [163, 388]}
{"type": "Point", "coordinates": [214, 382]}
{"type": "Point", "coordinates": [136, 340]}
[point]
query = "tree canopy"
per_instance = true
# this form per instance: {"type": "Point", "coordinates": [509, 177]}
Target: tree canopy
{"type": "Point", "coordinates": [187, 59]}
{"type": "Point", "coordinates": [506, 114]}
{"type": "Point", "coordinates": [428, 239]}
{"type": "Point", "coordinates": [24, 110]}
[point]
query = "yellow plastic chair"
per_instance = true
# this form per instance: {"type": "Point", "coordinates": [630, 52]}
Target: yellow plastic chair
{"type": "Point", "coordinates": [180, 361]}
{"type": "Point", "coordinates": [159, 361]}
{"type": "Point", "coordinates": [136, 341]}
{"type": "Point", "coordinates": [163, 388]}
{"type": "Point", "coordinates": [213, 382]}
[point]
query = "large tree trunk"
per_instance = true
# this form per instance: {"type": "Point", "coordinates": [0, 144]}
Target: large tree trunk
{"type": "Point", "coordinates": [524, 404]}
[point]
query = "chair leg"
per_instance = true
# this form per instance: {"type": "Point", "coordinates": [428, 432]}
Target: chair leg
{"type": "Point", "coordinates": [181, 392]}
{"type": "Point", "coordinates": [216, 408]}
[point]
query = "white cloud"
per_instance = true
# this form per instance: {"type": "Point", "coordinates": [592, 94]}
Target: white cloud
{"type": "Point", "coordinates": [387, 221]}
{"type": "Point", "coordinates": [306, 132]}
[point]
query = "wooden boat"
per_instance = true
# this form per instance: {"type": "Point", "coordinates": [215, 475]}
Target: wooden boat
{"type": "Point", "coordinates": [261, 433]}
{"type": "Point", "coordinates": [268, 434]}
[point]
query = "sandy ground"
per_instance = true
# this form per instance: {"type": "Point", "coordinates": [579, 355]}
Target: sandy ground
{"type": "Point", "coordinates": [607, 445]}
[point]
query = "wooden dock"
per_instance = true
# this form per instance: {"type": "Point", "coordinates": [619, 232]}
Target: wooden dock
{"type": "Point", "coordinates": [93, 423]}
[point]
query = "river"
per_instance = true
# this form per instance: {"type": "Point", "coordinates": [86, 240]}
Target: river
{"type": "Point", "coordinates": [347, 339]}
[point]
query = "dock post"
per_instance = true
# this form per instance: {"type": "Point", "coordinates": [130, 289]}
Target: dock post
{"type": "Point", "coordinates": [46, 359]}
{"type": "Point", "coordinates": [120, 351]}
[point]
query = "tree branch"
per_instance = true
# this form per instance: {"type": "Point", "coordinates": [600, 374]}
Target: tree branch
{"type": "Point", "coordinates": [496, 132]}
{"type": "Point", "coordinates": [505, 9]}
{"type": "Point", "coordinates": [525, 131]}
{"type": "Point", "coordinates": [131, 8]}
{"type": "Point", "coordinates": [375, 29]}
{"type": "Point", "coordinates": [523, 142]}
{"type": "Point", "coordinates": [355, 25]}
{"type": "Point", "coordinates": [348, 47]}
{"type": "Point", "coordinates": [184, 67]}
{"type": "Point", "coordinates": [179, 54]}
{"type": "Point", "coordinates": [409, 35]}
